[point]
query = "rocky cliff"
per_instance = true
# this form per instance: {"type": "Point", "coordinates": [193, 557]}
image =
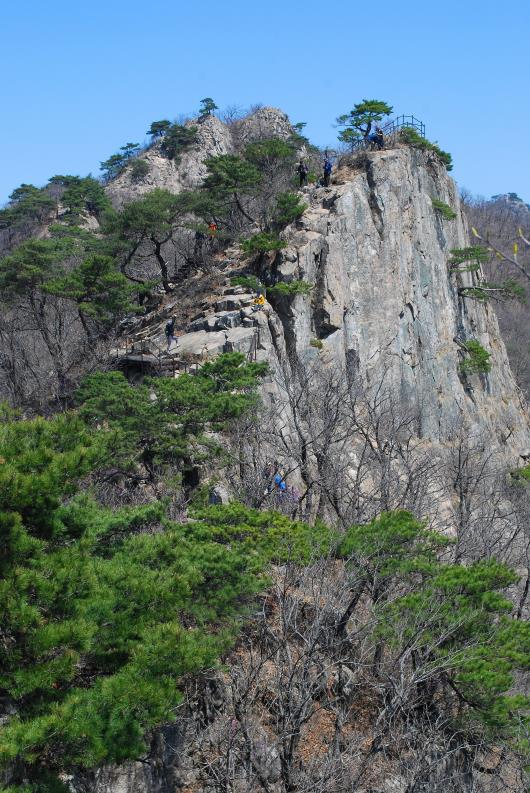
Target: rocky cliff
{"type": "Point", "coordinates": [383, 315]}
{"type": "Point", "coordinates": [384, 304]}
{"type": "Point", "coordinates": [213, 138]}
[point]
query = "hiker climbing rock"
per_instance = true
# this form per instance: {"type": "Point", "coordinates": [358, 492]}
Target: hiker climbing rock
{"type": "Point", "coordinates": [170, 333]}
{"type": "Point", "coordinates": [279, 483]}
{"type": "Point", "coordinates": [327, 171]}
{"type": "Point", "coordinates": [303, 171]}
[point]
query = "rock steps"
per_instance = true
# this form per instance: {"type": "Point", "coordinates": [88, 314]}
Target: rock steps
{"type": "Point", "coordinates": [232, 327]}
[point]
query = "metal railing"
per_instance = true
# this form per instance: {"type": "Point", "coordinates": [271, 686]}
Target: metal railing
{"type": "Point", "coordinates": [141, 354]}
{"type": "Point", "coordinates": [390, 131]}
{"type": "Point", "coordinates": [399, 122]}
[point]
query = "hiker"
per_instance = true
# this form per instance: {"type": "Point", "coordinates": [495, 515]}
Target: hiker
{"type": "Point", "coordinates": [379, 138]}
{"type": "Point", "coordinates": [212, 230]}
{"type": "Point", "coordinates": [258, 302]}
{"type": "Point", "coordinates": [279, 484]}
{"type": "Point", "coordinates": [303, 171]}
{"type": "Point", "coordinates": [198, 246]}
{"type": "Point", "coordinates": [170, 333]}
{"type": "Point", "coordinates": [327, 171]}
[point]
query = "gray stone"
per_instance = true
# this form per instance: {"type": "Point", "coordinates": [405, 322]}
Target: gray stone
{"type": "Point", "coordinates": [377, 258]}
{"type": "Point", "coordinates": [213, 138]}
{"type": "Point", "coordinates": [218, 495]}
{"type": "Point", "coordinates": [227, 319]}
{"type": "Point", "coordinates": [198, 324]}
{"type": "Point", "coordinates": [228, 303]}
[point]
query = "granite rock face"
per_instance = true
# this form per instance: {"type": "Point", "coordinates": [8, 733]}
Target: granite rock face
{"type": "Point", "coordinates": [213, 138]}
{"type": "Point", "coordinates": [383, 305]}
{"type": "Point", "coordinates": [383, 311]}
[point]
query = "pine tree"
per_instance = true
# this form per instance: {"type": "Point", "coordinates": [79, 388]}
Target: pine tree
{"type": "Point", "coordinates": [159, 128]}
{"type": "Point", "coordinates": [358, 122]}
{"type": "Point", "coordinates": [207, 107]}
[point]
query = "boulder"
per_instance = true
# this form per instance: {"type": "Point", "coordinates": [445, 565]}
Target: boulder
{"type": "Point", "coordinates": [228, 303]}
{"type": "Point", "coordinates": [227, 319]}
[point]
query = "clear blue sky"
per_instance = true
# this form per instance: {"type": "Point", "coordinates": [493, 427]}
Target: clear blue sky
{"type": "Point", "coordinates": [81, 79]}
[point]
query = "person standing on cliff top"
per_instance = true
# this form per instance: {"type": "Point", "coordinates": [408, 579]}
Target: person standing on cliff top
{"type": "Point", "coordinates": [327, 171]}
{"type": "Point", "coordinates": [303, 171]}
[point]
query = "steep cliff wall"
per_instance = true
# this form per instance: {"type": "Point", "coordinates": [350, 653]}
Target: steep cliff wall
{"type": "Point", "coordinates": [384, 312]}
{"type": "Point", "coordinates": [383, 303]}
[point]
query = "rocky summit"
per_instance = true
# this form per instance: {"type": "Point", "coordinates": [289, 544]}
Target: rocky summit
{"type": "Point", "coordinates": [264, 469]}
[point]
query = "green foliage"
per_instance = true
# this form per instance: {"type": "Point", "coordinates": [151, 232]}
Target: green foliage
{"type": "Point", "coordinates": [117, 162]}
{"type": "Point", "coordinates": [456, 620]}
{"type": "Point", "coordinates": [32, 265]}
{"type": "Point", "coordinates": [471, 258]}
{"type": "Point", "coordinates": [81, 195]}
{"type": "Point", "coordinates": [318, 344]}
{"type": "Point", "coordinates": [139, 170]}
{"type": "Point", "coordinates": [145, 225]}
{"type": "Point", "coordinates": [453, 619]}
{"type": "Point", "coordinates": [177, 139]}
{"type": "Point", "coordinates": [262, 243]}
{"type": "Point", "coordinates": [477, 360]}
{"type": "Point", "coordinates": [289, 207]}
{"type": "Point", "coordinates": [162, 421]}
{"type": "Point", "coordinates": [395, 543]}
{"type": "Point", "coordinates": [27, 204]}
{"type": "Point", "coordinates": [151, 215]}
{"type": "Point", "coordinates": [248, 281]}
{"type": "Point", "coordinates": [509, 289]}
{"type": "Point", "coordinates": [158, 128]}
{"type": "Point", "coordinates": [68, 265]}
{"type": "Point", "coordinates": [290, 289]}
{"type": "Point", "coordinates": [229, 174]}
{"type": "Point", "coordinates": [444, 209]}
{"type": "Point", "coordinates": [269, 154]}
{"type": "Point", "coordinates": [113, 166]}
{"type": "Point", "coordinates": [130, 149]}
{"type": "Point", "coordinates": [101, 292]}
{"type": "Point", "coordinates": [207, 108]}
{"type": "Point", "coordinates": [358, 122]}
{"type": "Point", "coordinates": [522, 474]}
{"type": "Point", "coordinates": [100, 619]}
{"type": "Point", "coordinates": [105, 611]}
{"type": "Point", "coordinates": [412, 137]}
{"type": "Point", "coordinates": [266, 536]}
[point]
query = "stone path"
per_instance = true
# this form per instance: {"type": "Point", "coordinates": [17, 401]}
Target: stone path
{"type": "Point", "coordinates": [232, 327]}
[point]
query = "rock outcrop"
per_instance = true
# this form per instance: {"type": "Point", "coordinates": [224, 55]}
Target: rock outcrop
{"type": "Point", "coordinates": [213, 138]}
{"type": "Point", "coordinates": [384, 305]}
{"type": "Point", "coordinates": [383, 311]}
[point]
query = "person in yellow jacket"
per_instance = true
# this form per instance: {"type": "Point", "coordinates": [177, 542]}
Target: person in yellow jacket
{"type": "Point", "coordinates": [258, 302]}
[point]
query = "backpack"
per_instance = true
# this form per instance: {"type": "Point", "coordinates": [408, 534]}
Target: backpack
{"type": "Point", "coordinates": [169, 327]}
{"type": "Point", "coordinates": [327, 167]}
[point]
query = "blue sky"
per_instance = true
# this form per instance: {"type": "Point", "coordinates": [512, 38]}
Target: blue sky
{"type": "Point", "coordinates": [82, 79]}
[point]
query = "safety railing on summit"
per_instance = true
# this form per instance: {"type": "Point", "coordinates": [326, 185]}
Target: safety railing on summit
{"type": "Point", "coordinates": [390, 131]}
